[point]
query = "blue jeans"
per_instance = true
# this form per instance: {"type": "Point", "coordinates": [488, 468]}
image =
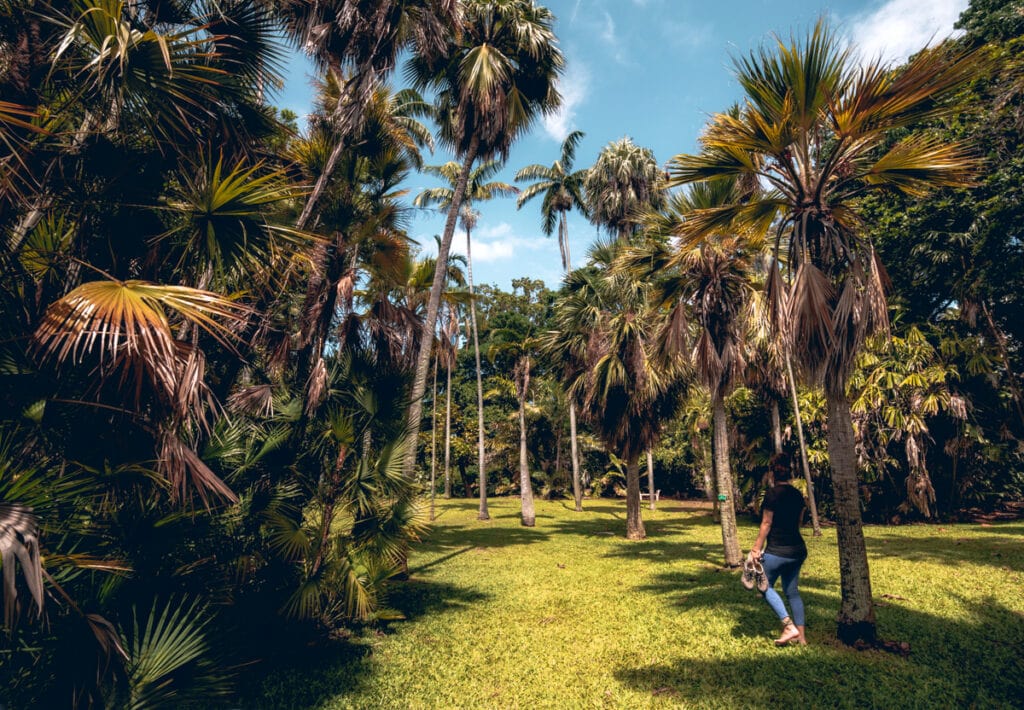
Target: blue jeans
{"type": "Point", "coordinates": [789, 570]}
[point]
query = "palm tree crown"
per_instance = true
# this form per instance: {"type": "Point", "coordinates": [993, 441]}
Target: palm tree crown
{"type": "Point", "coordinates": [562, 189]}
{"type": "Point", "coordinates": [816, 129]}
{"type": "Point", "coordinates": [499, 77]}
{"type": "Point", "coordinates": [479, 186]}
{"type": "Point", "coordinates": [624, 182]}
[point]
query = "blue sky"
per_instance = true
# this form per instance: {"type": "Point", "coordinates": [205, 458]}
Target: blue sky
{"type": "Point", "coordinates": [653, 70]}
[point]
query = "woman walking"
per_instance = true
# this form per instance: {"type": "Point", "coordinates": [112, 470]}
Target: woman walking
{"type": "Point", "coordinates": [785, 552]}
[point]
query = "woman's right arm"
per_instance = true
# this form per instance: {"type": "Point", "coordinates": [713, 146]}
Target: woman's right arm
{"type": "Point", "coordinates": [762, 533]}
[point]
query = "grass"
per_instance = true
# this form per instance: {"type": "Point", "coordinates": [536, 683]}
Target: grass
{"type": "Point", "coordinates": [570, 614]}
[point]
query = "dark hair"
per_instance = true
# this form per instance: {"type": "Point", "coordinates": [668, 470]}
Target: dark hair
{"type": "Point", "coordinates": [781, 467]}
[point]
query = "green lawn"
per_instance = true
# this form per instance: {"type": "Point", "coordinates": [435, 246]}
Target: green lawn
{"type": "Point", "coordinates": [570, 614]}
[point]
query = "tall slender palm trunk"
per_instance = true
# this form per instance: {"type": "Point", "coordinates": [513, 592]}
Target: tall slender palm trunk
{"type": "Point", "coordinates": [433, 443]}
{"type": "Point", "coordinates": [856, 619]}
{"type": "Point", "coordinates": [525, 485]}
{"type": "Point", "coordinates": [419, 383]}
{"type": "Point", "coordinates": [448, 436]}
{"type": "Point", "coordinates": [634, 522]}
{"type": "Point", "coordinates": [481, 459]}
{"type": "Point", "coordinates": [723, 477]}
{"type": "Point", "coordinates": [577, 489]}
{"type": "Point", "coordinates": [650, 476]}
{"type": "Point", "coordinates": [816, 525]}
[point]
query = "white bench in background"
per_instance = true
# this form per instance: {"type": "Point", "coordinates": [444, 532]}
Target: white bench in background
{"type": "Point", "coordinates": [647, 496]}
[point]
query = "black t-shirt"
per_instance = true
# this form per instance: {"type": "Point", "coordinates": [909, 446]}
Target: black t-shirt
{"type": "Point", "coordinates": [787, 507]}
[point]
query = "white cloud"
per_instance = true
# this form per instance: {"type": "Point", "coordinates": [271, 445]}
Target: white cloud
{"type": "Point", "coordinates": [573, 86]}
{"type": "Point", "coordinates": [688, 36]}
{"type": "Point", "coordinates": [608, 29]}
{"type": "Point", "coordinates": [499, 242]}
{"type": "Point", "coordinates": [898, 28]}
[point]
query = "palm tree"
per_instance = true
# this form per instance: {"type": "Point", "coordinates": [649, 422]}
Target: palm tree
{"type": "Point", "coordinates": [563, 192]}
{"type": "Point", "coordinates": [360, 44]}
{"type": "Point", "coordinates": [490, 87]}
{"type": "Point", "coordinates": [817, 129]}
{"type": "Point", "coordinates": [477, 189]}
{"type": "Point", "coordinates": [623, 183]}
{"type": "Point", "coordinates": [450, 332]}
{"type": "Point", "coordinates": [361, 212]}
{"type": "Point", "coordinates": [710, 299]}
{"type": "Point", "coordinates": [606, 342]}
{"type": "Point", "coordinates": [516, 334]}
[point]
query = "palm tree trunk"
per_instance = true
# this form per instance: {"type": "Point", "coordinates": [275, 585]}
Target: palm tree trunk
{"type": "Point", "coordinates": [1004, 354]}
{"type": "Point", "coordinates": [330, 495]}
{"type": "Point", "coordinates": [815, 524]}
{"type": "Point", "coordinates": [525, 485]}
{"type": "Point", "coordinates": [776, 426]}
{"type": "Point", "coordinates": [856, 619]}
{"type": "Point", "coordinates": [448, 436]}
{"type": "Point", "coordinates": [419, 383]}
{"type": "Point", "coordinates": [723, 476]}
{"type": "Point", "coordinates": [577, 489]}
{"type": "Point", "coordinates": [634, 523]}
{"type": "Point", "coordinates": [650, 476]}
{"type": "Point", "coordinates": [481, 461]}
{"type": "Point", "coordinates": [433, 443]}
{"type": "Point", "coordinates": [345, 118]}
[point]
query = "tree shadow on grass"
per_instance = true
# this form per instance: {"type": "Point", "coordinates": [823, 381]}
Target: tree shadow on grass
{"type": "Point", "coordinates": [1002, 551]}
{"type": "Point", "coordinates": [609, 520]}
{"type": "Point", "coordinates": [713, 587]}
{"type": "Point", "coordinates": [973, 661]}
{"type": "Point", "coordinates": [310, 675]}
{"type": "Point", "coordinates": [654, 549]}
{"type": "Point", "coordinates": [458, 536]}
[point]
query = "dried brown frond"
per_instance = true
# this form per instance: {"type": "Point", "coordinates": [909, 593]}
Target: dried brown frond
{"type": "Point", "coordinates": [809, 313]}
{"type": "Point", "coordinates": [255, 401]}
{"type": "Point", "coordinates": [19, 541]}
{"type": "Point", "coordinates": [184, 469]}
{"type": "Point", "coordinates": [316, 386]}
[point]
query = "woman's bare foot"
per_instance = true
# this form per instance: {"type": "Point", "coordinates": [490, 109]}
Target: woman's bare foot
{"type": "Point", "coordinates": [789, 633]}
{"type": "Point", "coordinates": [803, 638]}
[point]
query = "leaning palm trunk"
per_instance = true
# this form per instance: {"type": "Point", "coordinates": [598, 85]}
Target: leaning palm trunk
{"type": "Point", "coordinates": [348, 113]}
{"type": "Point", "coordinates": [448, 436]}
{"type": "Point", "coordinates": [525, 485]}
{"type": "Point", "coordinates": [634, 523]}
{"type": "Point", "coordinates": [723, 476]}
{"type": "Point", "coordinates": [816, 526]}
{"type": "Point", "coordinates": [419, 383]}
{"type": "Point", "coordinates": [856, 619]}
{"type": "Point", "coordinates": [650, 476]}
{"type": "Point", "coordinates": [481, 459]}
